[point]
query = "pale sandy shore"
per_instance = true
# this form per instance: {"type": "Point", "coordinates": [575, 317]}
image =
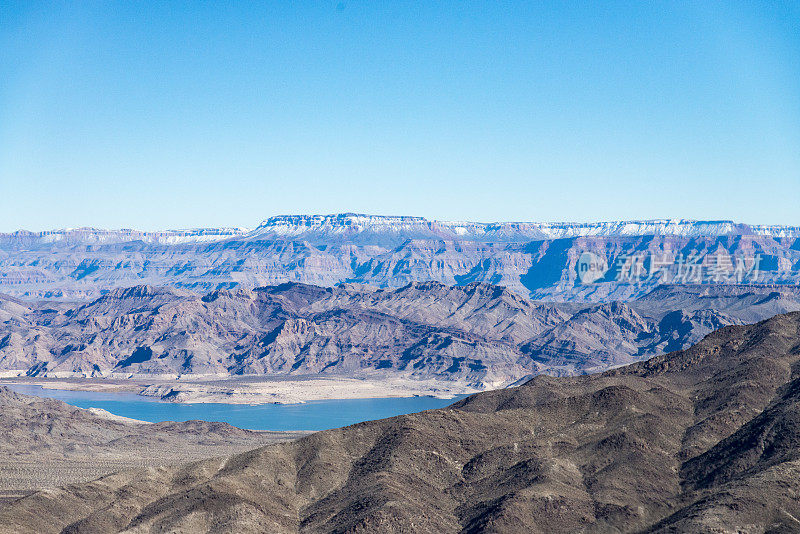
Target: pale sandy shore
{"type": "Point", "coordinates": [260, 390]}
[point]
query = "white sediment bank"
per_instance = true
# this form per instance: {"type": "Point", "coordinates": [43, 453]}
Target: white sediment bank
{"type": "Point", "coordinates": [258, 390]}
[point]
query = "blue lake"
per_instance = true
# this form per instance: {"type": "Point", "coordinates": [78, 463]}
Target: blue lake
{"type": "Point", "coordinates": [315, 415]}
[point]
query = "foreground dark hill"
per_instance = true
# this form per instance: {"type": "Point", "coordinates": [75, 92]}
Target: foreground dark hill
{"type": "Point", "coordinates": [702, 440]}
{"type": "Point", "coordinates": [478, 333]}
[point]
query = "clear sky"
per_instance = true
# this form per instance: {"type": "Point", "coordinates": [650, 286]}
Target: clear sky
{"type": "Point", "coordinates": [171, 114]}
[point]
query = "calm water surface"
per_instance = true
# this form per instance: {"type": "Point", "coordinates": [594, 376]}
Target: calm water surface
{"type": "Point", "coordinates": [314, 415]}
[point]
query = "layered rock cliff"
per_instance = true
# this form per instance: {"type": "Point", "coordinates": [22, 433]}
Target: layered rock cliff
{"type": "Point", "coordinates": [540, 260]}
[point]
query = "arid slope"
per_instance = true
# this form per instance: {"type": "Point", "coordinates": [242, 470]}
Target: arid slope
{"type": "Point", "coordinates": [45, 442]}
{"type": "Point", "coordinates": [480, 334]}
{"type": "Point", "coordinates": [702, 440]}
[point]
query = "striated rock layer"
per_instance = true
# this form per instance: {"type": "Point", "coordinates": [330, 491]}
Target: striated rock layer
{"type": "Point", "coordinates": [541, 260]}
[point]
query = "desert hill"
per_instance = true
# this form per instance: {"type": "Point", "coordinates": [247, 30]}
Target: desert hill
{"type": "Point", "coordinates": [45, 442]}
{"type": "Point", "coordinates": [700, 440]}
{"type": "Point", "coordinates": [481, 334]}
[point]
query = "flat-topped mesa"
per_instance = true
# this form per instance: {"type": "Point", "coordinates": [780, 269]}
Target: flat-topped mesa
{"type": "Point", "coordinates": [99, 236]}
{"type": "Point", "coordinates": [540, 260]}
{"type": "Point", "coordinates": [351, 225]}
{"type": "Point", "coordinates": [343, 226]}
{"type": "Point", "coordinates": [383, 229]}
{"type": "Point", "coordinates": [352, 220]}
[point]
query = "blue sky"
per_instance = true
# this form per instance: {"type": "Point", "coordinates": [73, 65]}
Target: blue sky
{"type": "Point", "coordinates": [172, 114]}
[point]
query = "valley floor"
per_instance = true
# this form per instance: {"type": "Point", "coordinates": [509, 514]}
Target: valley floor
{"type": "Point", "coordinates": [20, 477]}
{"type": "Point", "coordinates": [47, 443]}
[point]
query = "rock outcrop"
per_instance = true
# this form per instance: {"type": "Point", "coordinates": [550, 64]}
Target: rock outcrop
{"type": "Point", "coordinates": [538, 260]}
{"type": "Point", "coordinates": [701, 440]}
{"type": "Point", "coordinates": [480, 334]}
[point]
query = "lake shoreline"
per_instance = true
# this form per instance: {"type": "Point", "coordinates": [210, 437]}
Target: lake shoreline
{"type": "Point", "coordinates": [309, 416]}
{"type": "Point", "coordinates": [256, 390]}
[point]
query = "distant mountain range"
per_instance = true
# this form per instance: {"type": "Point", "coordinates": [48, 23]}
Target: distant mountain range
{"type": "Point", "coordinates": [701, 440]}
{"type": "Point", "coordinates": [540, 260]}
{"type": "Point", "coordinates": [381, 229]}
{"type": "Point", "coordinates": [480, 334]}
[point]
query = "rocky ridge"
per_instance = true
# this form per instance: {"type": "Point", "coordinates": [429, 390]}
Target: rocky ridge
{"type": "Point", "coordinates": [479, 334]}
{"type": "Point", "coordinates": [701, 440]}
